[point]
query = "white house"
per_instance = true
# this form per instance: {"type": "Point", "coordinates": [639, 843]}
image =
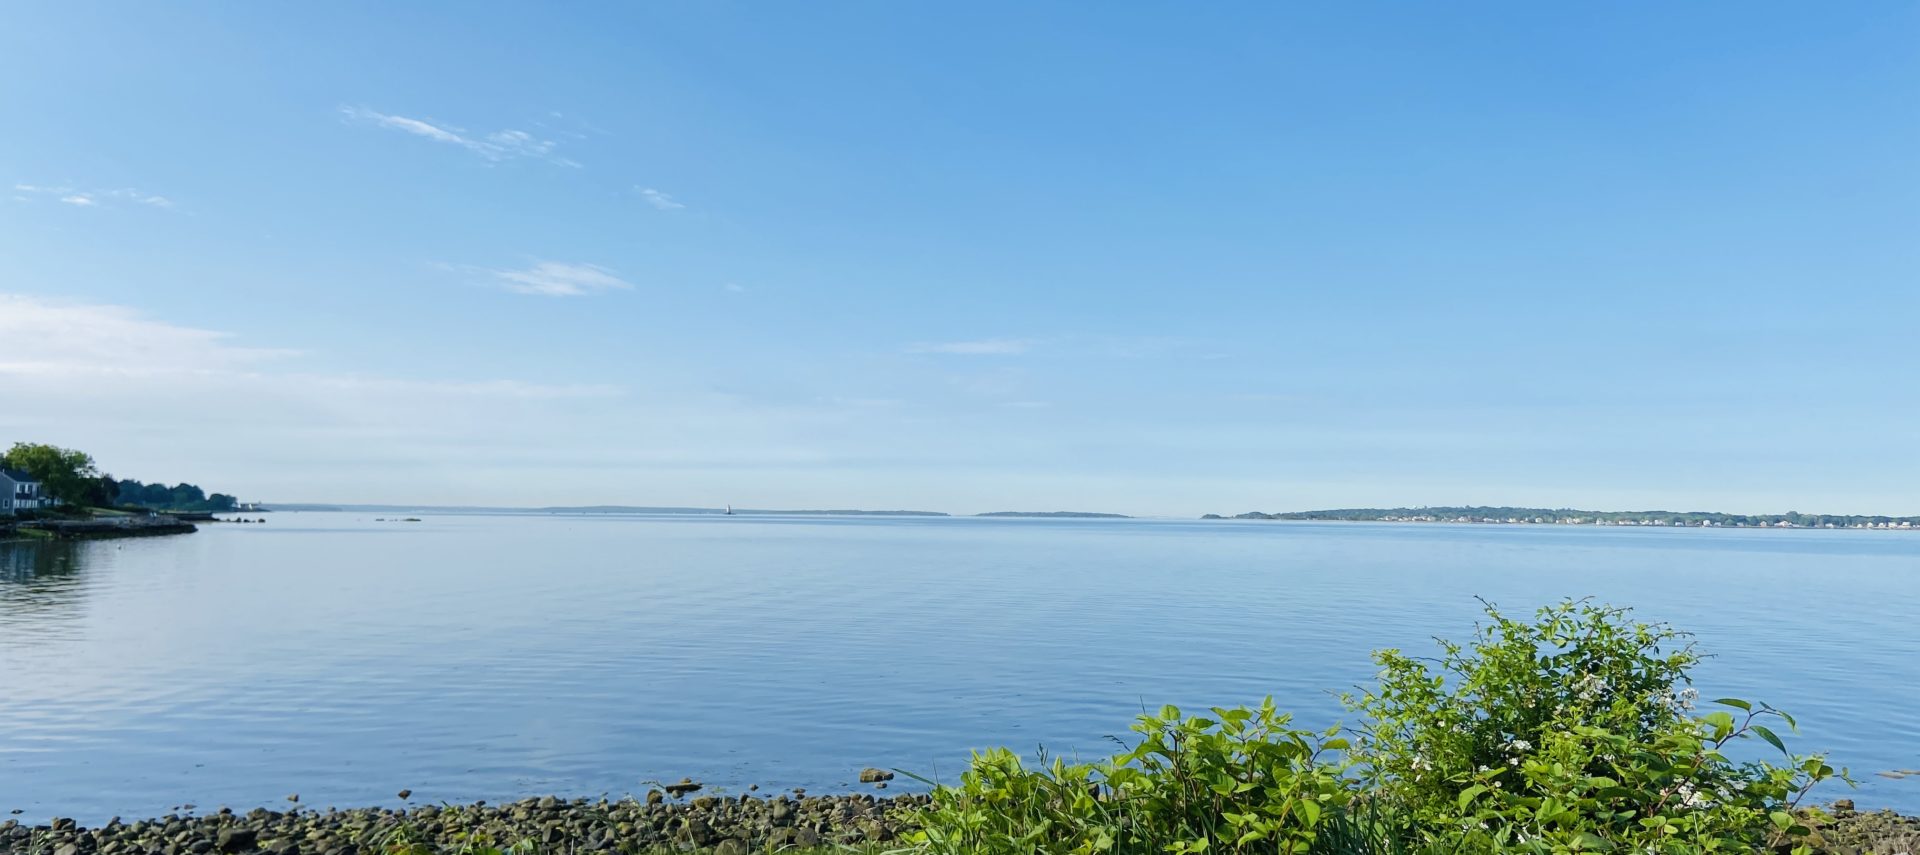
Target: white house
{"type": "Point", "coordinates": [20, 492]}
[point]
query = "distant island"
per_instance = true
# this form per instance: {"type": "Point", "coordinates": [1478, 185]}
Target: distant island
{"type": "Point", "coordinates": [624, 509]}
{"type": "Point", "coordinates": [1569, 516]}
{"type": "Point", "coordinates": [1076, 515]}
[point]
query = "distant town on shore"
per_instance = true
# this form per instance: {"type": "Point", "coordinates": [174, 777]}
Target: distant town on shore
{"type": "Point", "coordinates": [1568, 516]}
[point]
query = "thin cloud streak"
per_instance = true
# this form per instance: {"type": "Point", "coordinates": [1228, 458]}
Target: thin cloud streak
{"type": "Point", "coordinates": [657, 199]}
{"type": "Point", "coordinates": [496, 146]}
{"type": "Point", "coordinates": [983, 347]}
{"type": "Point", "coordinates": [559, 279]}
{"type": "Point", "coordinates": [92, 198]}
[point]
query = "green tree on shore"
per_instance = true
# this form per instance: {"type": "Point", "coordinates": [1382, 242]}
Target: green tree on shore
{"type": "Point", "coordinates": [71, 478]}
{"type": "Point", "coordinates": [69, 475]}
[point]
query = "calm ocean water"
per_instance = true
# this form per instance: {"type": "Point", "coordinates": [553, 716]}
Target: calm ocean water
{"type": "Point", "coordinates": [496, 656]}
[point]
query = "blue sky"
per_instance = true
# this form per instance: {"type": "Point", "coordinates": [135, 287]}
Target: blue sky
{"type": "Point", "coordinates": [1127, 257]}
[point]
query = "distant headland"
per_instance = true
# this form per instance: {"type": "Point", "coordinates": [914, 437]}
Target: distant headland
{"type": "Point", "coordinates": [1569, 516]}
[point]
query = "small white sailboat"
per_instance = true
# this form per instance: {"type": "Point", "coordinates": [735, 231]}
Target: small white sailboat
{"type": "Point", "coordinates": [729, 510]}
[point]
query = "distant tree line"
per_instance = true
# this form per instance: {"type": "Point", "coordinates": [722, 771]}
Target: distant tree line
{"type": "Point", "coordinates": [179, 497]}
{"type": "Point", "coordinates": [70, 477]}
{"type": "Point", "coordinates": [1568, 516]}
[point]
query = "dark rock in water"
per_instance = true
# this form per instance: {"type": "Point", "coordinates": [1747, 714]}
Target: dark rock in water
{"type": "Point", "coordinates": [405, 794]}
{"type": "Point", "coordinates": [871, 775]}
{"type": "Point", "coordinates": [685, 786]}
{"type": "Point", "coordinates": [655, 797]}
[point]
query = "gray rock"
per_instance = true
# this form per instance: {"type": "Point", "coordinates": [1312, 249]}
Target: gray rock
{"type": "Point", "coordinates": [235, 839]}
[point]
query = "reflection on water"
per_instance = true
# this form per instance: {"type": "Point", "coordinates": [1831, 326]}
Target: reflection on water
{"type": "Point", "coordinates": [491, 657]}
{"type": "Point", "coordinates": [25, 561]}
{"type": "Point", "coordinates": [39, 582]}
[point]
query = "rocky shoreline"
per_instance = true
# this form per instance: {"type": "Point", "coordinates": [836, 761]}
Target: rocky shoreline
{"type": "Point", "coordinates": [722, 824]}
{"type": "Point", "coordinates": [725, 825]}
{"type": "Point", "coordinates": [101, 529]}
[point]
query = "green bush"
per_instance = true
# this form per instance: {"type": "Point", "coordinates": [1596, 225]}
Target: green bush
{"type": "Point", "coordinates": [1571, 733]}
{"type": "Point", "coordinates": [1241, 781]}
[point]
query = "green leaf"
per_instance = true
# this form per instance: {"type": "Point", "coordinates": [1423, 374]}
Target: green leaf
{"type": "Point", "coordinates": [1310, 811]}
{"type": "Point", "coordinates": [1772, 739]}
{"type": "Point", "coordinates": [1781, 819]}
{"type": "Point", "coordinates": [1469, 794]}
{"type": "Point", "coordinates": [1736, 703]}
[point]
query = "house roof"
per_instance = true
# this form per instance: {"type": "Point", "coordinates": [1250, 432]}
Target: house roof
{"type": "Point", "coordinates": [17, 475]}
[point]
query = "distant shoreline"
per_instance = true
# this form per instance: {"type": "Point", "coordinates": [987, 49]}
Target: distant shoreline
{"type": "Point", "coordinates": [1448, 515]}
{"type": "Point", "coordinates": [1568, 516]}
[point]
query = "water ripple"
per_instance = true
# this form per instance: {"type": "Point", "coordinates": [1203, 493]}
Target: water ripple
{"type": "Point", "coordinates": [495, 656]}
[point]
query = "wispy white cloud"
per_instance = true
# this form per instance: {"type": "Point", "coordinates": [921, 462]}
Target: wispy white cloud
{"type": "Point", "coordinates": [62, 339]}
{"type": "Point", "coordinates": [57, 341]}
{"type": "Point", "coordinates": [495, 146]}
{"type": "Point", "coordinates": [559, 279]}
{"type": "Point", "coordinates": [734, 288]}
{"type": "Point", "coordinates": [981, 347]}
{"type": "Point", "coordinates": [662, 201]}
{"type": "Point", "coordinates": [91, 198]}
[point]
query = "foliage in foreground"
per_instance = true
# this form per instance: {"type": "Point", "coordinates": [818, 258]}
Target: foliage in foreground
{"type": "Point", "coordinates": [1191, 784]}
{"type": "Point", "coordinates": [1574, 732]}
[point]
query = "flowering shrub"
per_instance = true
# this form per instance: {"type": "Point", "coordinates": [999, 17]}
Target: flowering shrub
{"type": "Point", "coordinates": [1574, 732]}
